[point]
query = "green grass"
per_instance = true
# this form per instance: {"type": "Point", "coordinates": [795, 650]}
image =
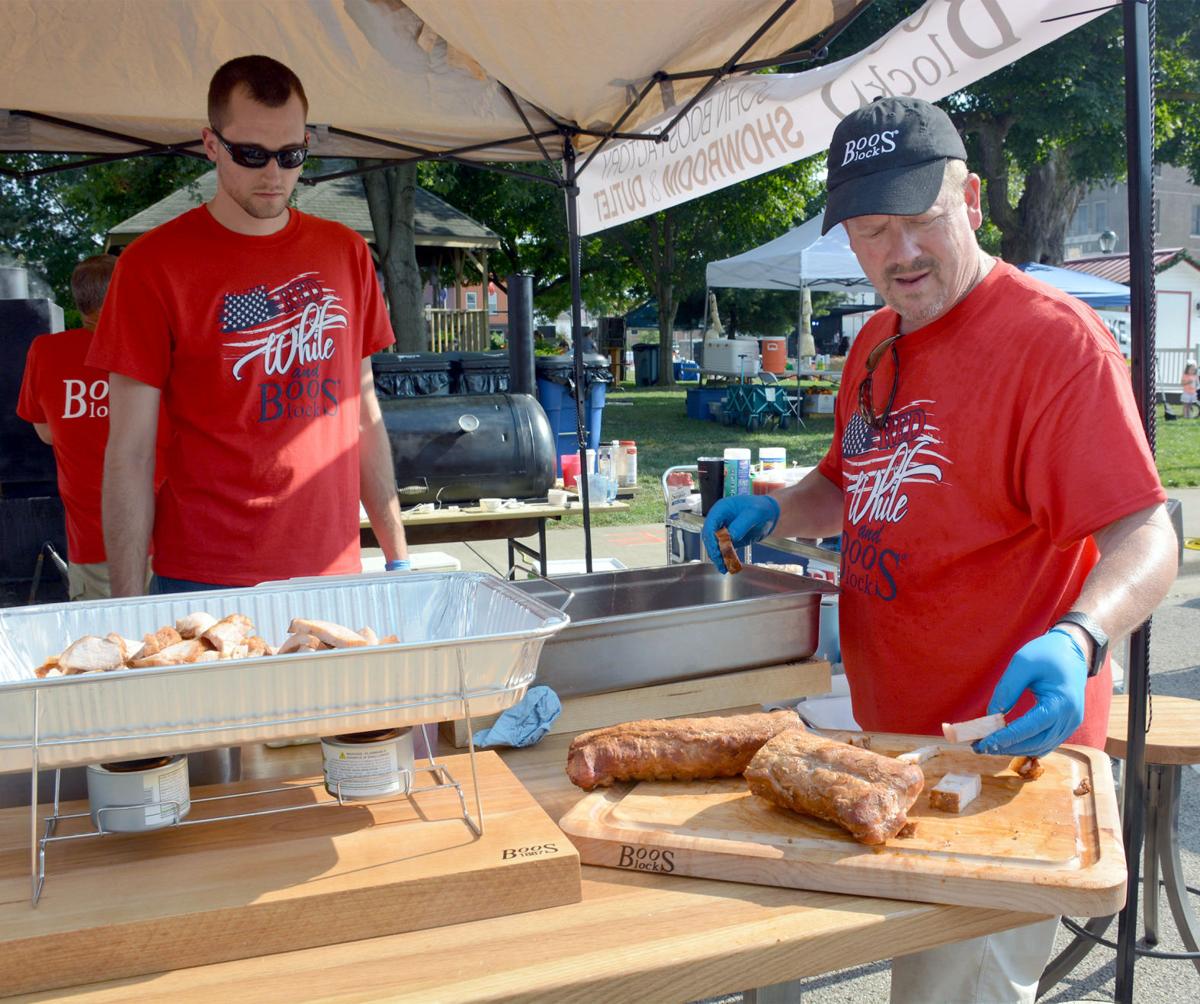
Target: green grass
{"type": "Point", "coordinates": [1177, 450]}
{"type": "Point", "coordinates": [656, 419]}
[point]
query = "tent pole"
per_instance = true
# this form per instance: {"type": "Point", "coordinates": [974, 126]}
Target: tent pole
{"type": "Point", "coordinates": [571, 190]}
{"type": "Point", "coordinates": [1139, 97]}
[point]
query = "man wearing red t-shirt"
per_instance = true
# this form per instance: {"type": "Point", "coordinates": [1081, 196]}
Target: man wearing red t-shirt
{"type": "Point", "coordinates": [994, 536]}
{"type": "Point", "coordinates": [67, 403]}
{"type": "Point", "coordinates": [254, 324]}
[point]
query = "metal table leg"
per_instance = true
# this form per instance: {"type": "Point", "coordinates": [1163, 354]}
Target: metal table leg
{"type": "Point", "coordinates": [1170, 780]}
{"type": "Point", "coordinates": [1150, 851]}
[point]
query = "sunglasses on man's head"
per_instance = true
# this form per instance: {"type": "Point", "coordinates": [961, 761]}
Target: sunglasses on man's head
{"type": "Point", "coordinates": [866, 397]}
{"type": "Point", "coordinates": [249, 155]}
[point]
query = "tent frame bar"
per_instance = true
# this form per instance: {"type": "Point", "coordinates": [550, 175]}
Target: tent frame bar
{"type": "Point", "coordinates": [1139, 146]}
{"type": "Point", "coordinates": [535, 136]}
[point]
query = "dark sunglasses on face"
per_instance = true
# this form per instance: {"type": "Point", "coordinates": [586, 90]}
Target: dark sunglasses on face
{"type": "Point", "coordinates": [866, 400]}
{"type": "Point", "coordinates": [248, 155]}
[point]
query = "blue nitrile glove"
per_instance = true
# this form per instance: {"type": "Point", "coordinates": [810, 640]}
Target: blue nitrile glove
{"type": "Point", "coordinates": [397, 565]}
{"type": "Point", "coordinates": [747, 518]}
{"type": "Point", "coordinates": [1054, 670]}
{"type": "Point", "coordinates": [525, 722]}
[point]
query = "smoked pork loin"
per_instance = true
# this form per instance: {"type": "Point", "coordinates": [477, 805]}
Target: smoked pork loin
{"type": "Point", "coordinates": [676, 749]}
{"type": "Point", "coordinates": [863, 792]}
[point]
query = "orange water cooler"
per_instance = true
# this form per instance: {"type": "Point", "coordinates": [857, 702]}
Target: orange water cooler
{"type": "Point", "coordinates": [774, 354]}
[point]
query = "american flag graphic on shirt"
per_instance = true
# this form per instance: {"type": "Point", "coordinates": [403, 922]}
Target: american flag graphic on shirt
{"type": "Point", "coordinates": [857, 438]}
{"type": "Point", "coordinates": [282, 323]}
{"type": "Point", "coordinates": [247, 308]}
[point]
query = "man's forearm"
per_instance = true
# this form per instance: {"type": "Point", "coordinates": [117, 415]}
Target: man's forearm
{"type": "Point", "coordinates": [1138, 562]}
{"type": "Point", "coordinates": [128, 513]}
{"type": "Point", "coordinates": [377, 487]}
{"type": "Point", "coordinates": [811, 508]}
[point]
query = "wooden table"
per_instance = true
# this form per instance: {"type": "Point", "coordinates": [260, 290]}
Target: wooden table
{"type": "Point", "coordinates": [634, 936]}
{"type": "Point", "coordinates": [472, 522]}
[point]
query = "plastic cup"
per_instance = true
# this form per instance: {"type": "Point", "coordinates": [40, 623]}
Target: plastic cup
{"type": "Point", "coordinates": [570, 468]}
{"type": "Point", "coordinates": [711, 475]}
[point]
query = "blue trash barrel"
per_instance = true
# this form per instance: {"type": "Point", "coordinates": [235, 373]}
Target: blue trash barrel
{"type": "Point", "coordinates": [556, 394]}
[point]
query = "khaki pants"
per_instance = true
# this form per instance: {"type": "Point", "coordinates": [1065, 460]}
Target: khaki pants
{"type": "Point", "coordinates": [88, 582]}
{"type": "Point", "coordinates": [1001, 968]}
{"type": "Point", "coordinates": [91, 582]}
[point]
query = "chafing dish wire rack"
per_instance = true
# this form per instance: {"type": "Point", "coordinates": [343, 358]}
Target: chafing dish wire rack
{"type": "Point", "coordinates": [469, 645]}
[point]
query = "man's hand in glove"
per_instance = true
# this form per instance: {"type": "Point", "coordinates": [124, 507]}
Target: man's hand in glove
{"type": "Point", "coordinates": [1054, 670]}
{"type": "Point", "coordinates": [747, 518]}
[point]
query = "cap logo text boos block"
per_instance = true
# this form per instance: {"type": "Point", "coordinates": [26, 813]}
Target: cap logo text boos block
{"type": "Point", "coordinates": [870, 146]}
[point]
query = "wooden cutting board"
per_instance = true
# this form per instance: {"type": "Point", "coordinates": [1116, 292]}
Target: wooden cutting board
{"type": "Point", "coordinates": [127, 905]}
{"type": "Point", "coordinates": [1035, 846]}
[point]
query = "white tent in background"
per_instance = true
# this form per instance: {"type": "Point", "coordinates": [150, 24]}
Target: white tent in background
{"type": "Point", "coordinates": [801, 258]}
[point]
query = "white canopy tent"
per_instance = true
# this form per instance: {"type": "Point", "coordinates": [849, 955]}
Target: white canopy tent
{"type": "Point", "coordinates": [799, 259]}
{"type": "Point", "coordinates": [383, 77]}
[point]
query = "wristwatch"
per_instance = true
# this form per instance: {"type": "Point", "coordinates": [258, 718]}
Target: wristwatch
{"type": "Point", "coordinates": [1082, 620]}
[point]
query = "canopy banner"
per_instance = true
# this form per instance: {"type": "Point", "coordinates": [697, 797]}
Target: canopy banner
{"type": "Point", "coordinates": [752, 124]}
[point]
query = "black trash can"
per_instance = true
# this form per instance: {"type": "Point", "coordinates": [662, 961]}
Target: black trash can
{"type": "Point", "coordinates": [645, 364]}
{"type": "Point", "coordinates": [481, 373]}
{"type": "Point", "coordinates": [420, 374]}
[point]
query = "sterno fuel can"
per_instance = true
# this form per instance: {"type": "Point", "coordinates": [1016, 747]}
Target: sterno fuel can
{"type": "Point", "coordinates": [365, 765]}
{"type": "Point", "coordinates": [138, 795]}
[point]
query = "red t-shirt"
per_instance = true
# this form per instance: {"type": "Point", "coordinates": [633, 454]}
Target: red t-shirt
{"type": "Point", "coordinates": [61, 391]}
{"type": "Point", "coordinates": [966, 525]}
{"type": "Point", "coordinates": [257, 345]}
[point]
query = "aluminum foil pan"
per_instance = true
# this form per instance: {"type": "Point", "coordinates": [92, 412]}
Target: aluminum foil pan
{"type": "Point", "coordinates": [448, 623]}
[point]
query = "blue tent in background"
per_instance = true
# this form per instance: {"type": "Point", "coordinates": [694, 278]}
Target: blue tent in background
{"type": "Point", "coordinates": [1091, 289]}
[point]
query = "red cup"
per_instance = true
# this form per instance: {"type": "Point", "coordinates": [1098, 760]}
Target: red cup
{"type": "Point", "coordinates": [569, 462]}
{"type": "Point", "coordinates": [763, 487]}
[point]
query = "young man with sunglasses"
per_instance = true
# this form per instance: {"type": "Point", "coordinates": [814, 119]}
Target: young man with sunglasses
{"type": "Point", "coordinates": [994, 537]}
{"type": "Point", "coordinates": [255, 324]}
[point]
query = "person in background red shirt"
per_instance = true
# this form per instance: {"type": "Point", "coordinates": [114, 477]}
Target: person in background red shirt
{"type": "Point", "coordinates": [254, 324]}
{"type": "Point", "coordinates": [67, 402]}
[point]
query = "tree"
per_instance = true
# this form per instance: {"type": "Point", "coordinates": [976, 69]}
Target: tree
{"type": "Point", "coordinates": [50, 222]}
{"type": "Point", "coordinates": [1042, 130]}
{"type": "Point", "coordinates": [662, 255]}
{"type": "Point", "coordinates": [529, 217]}
{"type": "Point", "coordinates": [391, 198]}
{"type": "Point", "coordinates": [670, 248]}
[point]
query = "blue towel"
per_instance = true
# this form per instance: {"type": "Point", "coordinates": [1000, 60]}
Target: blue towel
{"type": "Point", "coordinates": [525, 722]}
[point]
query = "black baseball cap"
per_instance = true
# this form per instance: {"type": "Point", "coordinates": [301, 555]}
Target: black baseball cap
{"type": "Point", "coordinates": [887, 158]}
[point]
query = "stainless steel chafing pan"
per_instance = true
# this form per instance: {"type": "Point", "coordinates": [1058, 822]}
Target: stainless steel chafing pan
{"type": "Point", "coordinates": [647, 626]}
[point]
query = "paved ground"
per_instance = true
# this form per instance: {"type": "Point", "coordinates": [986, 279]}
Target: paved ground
{"type": "Point", "coordinates": [1174, 671]}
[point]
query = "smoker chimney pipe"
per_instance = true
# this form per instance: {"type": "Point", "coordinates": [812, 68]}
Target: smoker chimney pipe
{"type": "Point", "coordinates": [521, 378]}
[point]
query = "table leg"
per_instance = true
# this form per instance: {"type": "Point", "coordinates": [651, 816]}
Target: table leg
{"type": "Point", "coordinates": [1073, 954]}
{"type": "Point", "coordinates": [1154, 807]}
{"type": "Point", "coordinates": [1172, 868]}
{"type": "Point", "coordinates": [542, 547]}
{"type": "Point", "coordinates": [512, 558]}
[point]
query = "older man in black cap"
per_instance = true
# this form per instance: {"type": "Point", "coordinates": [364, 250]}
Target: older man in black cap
{"type": "Point", "coordinates": [987, 458]}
